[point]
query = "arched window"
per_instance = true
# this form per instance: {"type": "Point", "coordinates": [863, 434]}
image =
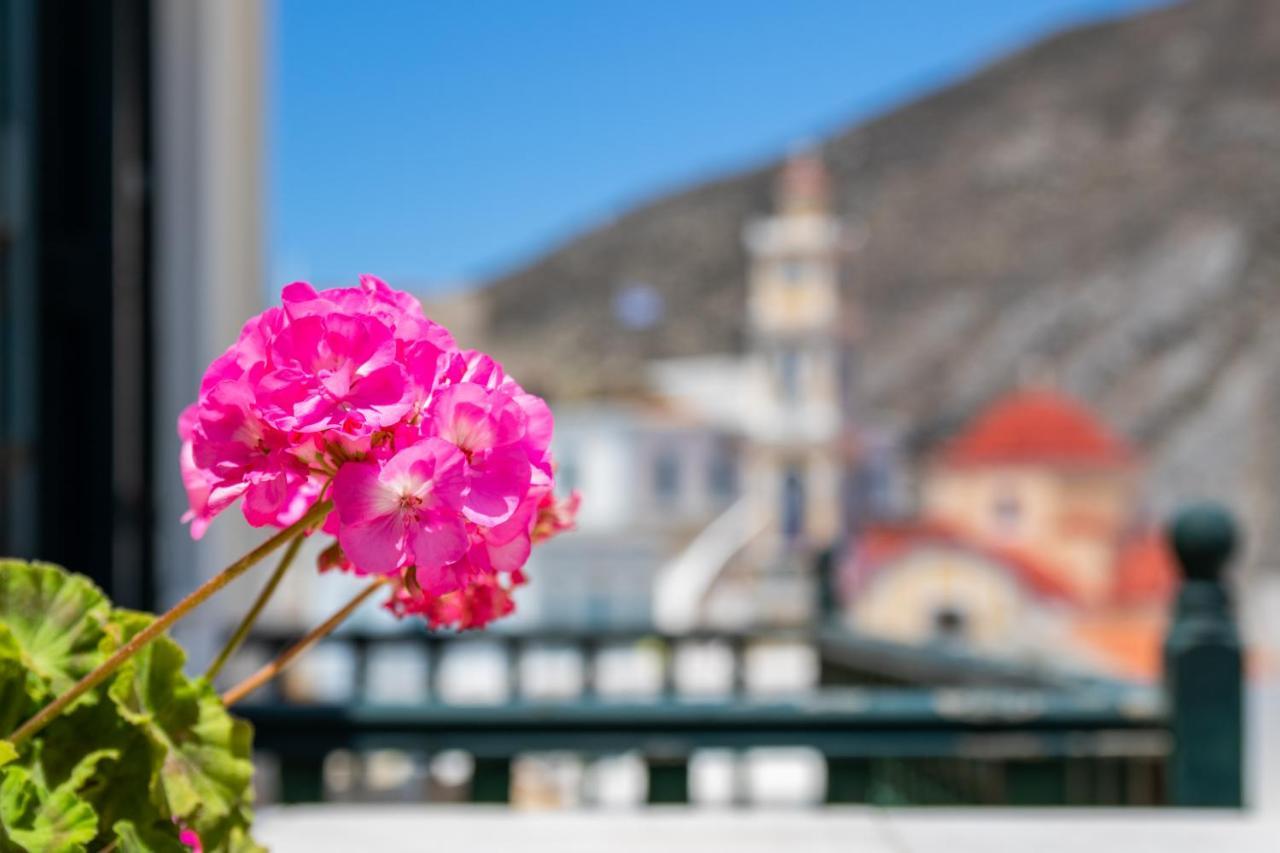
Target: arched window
{"type": "Point", "coordinates": [949, 623]}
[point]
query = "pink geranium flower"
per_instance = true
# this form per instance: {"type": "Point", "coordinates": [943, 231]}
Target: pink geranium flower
{"type": "Point", "coordinates": [555, 515]}
{"type": "Point", "coordinates": [247, 357]}
{"type": "Point", "coordinates": [373, 298]}
{"type": "Point", "coordinates": [191, 840]}
{"type": "Point", "coordinates": [479, 369]}
{"type": "Point", "coordinates": [339, 372]}
{"type": "Point", "coordinates": [491, 551]}
{"type": "Point", "coordinates": [437, 461]}
{"type": "Point", "coordinates": [488, 427]}
{"type": "Point", "coordinates": [404, 512]}
{"type": "Point", "coordinates": [471, 607]}
{"type": "Point", "coordinates": [241, 455]}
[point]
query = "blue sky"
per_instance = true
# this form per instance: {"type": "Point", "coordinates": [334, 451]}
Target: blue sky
{"type": "Point", "coordinates": [439, 142]}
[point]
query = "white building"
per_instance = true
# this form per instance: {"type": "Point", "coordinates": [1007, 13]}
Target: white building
{"type": "Point", "coordinates": [706, 502]}
{"type": "Point", "coordinates": [651, 479]}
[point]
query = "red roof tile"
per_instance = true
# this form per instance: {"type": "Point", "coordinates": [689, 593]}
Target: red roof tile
{"type": "Point", "coordinates": [1037, 426]}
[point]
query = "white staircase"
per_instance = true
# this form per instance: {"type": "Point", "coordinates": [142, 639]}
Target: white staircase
{"type": "Point", "coordinates": [681, 586]}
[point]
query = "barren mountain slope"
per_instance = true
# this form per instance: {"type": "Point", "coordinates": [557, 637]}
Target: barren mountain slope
{"type": "Point", "coordinates": [1103, 208]}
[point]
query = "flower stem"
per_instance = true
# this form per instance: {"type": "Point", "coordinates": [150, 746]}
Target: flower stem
{"type": "Point", "coordinates": [315, 635]}
{"type": "Point", "coordinates": [162, 622]}
{"type": "Point", "coordinates": [246, 624]}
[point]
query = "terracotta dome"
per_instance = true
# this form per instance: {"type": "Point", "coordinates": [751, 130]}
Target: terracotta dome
{"type": "Point", "coordinates": [1041, 427]}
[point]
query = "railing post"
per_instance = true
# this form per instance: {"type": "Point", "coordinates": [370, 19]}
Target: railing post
{"type": "Point", "coordinates": [491, 780]}
{"type": "Point", "coordinates": [848, 780]}
{"type": "Point", "coordinates": [668, 780]}
{"type": "Point", "coordinates": [826, 599]}
{"type": "Point", "coordinates": [360, 674]}
{"type": "Point", "coordinates": [302, 778]}
{"type": "Point", "coordinates": [589, 650]}
{"type": "Point", "coordinates": [1202, 667]}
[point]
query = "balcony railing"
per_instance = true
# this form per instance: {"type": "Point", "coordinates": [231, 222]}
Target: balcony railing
{"type": "Point", "coordinates": [1026, 737]}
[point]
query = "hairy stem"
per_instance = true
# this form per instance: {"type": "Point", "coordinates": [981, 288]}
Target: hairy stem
{"type": "Point", "coordinates": [315, 635]}
{"type": "Point", "coordinates": [162, 622]}
{"type": "Point", "coordinates": [246, 624]}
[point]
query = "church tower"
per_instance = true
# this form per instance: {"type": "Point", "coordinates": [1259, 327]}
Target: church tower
{"type": "Point", "coordinates": [797, 462]}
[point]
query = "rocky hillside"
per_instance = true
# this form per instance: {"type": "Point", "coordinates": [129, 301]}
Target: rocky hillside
{"type": "Point", "coordinates": [1103, 207]}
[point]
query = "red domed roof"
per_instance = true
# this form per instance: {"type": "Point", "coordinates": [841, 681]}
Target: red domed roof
{"type": "Point", "coordinates": [1037, 426]}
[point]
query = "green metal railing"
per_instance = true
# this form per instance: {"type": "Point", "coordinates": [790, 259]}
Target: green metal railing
{"type": "Point", "coordinates": [1035, 739]}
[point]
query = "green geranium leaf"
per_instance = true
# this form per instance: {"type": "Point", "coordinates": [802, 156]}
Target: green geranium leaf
{"type": "Point", "coordinates": [122, 754]}
{"type": "Point", "coordinates": [16, 699]}
{"type": "Point", "coordinates": [34, 818]}
{"type": "Point", "coordinates": [121, 626]}
{"type": "Point", "coordinates": [56, 620]}
{"type": "Point", "coordinates": [159, 837]}
{"type": "Point", "coordinates": [240, 841]}
{"type": "Point", "coordinates": [86, 769]}
{"type": "Point", "coordinates": [147, 751]}
{"type": "Point", "coordinates": [203, 750]}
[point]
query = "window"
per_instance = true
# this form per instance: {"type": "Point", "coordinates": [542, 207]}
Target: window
{"type": "Point", "coordinates": [1006, 513]}
{"type": "Point", "coordinates": [792, 270]}
{"type": "Point", "coordinates": [666, 476]}
{"type": "Point", "coordinates": [792, 504]}
{"type": "Point", "coordinates": [722, 474]}
{"type": "Point", "coordinates": [949, 623]}
{"type": "Point", "coordinates": [789, 373]}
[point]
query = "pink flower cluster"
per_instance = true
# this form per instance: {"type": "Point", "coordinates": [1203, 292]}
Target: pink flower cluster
{"type": "Point", "coordinates": [438, 464]}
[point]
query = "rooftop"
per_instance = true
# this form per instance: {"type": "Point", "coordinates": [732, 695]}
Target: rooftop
{"type": "Point", "coordinates": [1037, 426]}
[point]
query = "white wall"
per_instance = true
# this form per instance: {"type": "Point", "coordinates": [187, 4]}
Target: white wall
{"type": "Point", "coordinates": [208, 251]}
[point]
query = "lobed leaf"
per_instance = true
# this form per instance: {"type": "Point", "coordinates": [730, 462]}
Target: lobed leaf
{"type": "Point", "coordinates": [15, 702]}
{"type": "Point", "coordinates": [158, 748]}
{"type": "Point", "coordinates": [34, 818]}
{"type": "Point", "coordinates": [203, 751]}
{"type": "Point", "coordinates": [121, 787]}
{"type": "Point", "coordinates": [16, 699]}
{"type": "Point", "coordinates": [55, 619]}
{"type": "Point", "coordinates": [159, 837]}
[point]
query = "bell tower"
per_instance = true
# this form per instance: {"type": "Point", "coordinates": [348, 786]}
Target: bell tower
{"type": "Point", "coordinates": [797, 459]}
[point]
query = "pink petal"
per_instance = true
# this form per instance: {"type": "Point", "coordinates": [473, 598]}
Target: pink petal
{"type": "Point", "coordinates": [375, 547]}
{"type": "Point", "coordinates": [539, 422]}
{"type": "Point", "coordinates": [384, 387]}
{"type": "Point", "coordinates": [510, 556]}
{"type": "Point", "coordinates": [434, 462]}
{"type": "Point", "coordinates": [438, 539]}
{"type": "Point", "coordinates": [360, 496]}
{"type": "Point", "coordinates": [264, 498]}
{"type": "Point", "coordinates": [461, 415]}
{"type": "Point", "coordinates": [498, 483]}
{"type": "Point", "coordinates": [443, 579]}
{"type": "Point", "coordinates": [297, 298]}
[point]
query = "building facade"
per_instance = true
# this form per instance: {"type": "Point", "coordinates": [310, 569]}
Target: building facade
{"type": "Point", "coordinates": [1029, 543]}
